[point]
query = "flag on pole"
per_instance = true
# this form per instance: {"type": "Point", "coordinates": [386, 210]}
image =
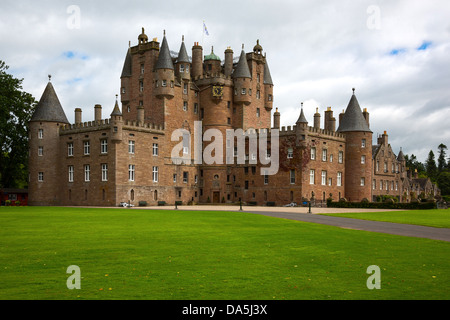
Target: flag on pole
{"type": "Point", "coordinates": [205, 30]}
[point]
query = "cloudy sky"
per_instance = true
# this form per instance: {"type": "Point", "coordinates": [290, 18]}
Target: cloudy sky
{"type": "Point", "coordinates": [395, 53]}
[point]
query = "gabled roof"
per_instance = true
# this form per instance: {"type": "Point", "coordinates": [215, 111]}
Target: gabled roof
{"type": "Point", "coordinates": [353, 119]}
{"type": "Point", "coordinates": [242, 70]}
{"type": "Point", "coordinates": [182, 54]}
{"type": "Point", "coordinates": [164, 58]}
{"type": "Point", "coordinates": [126, 70]}
{"type": "Point", "coordinates": [49, 108]}
{"type": "Point", "coordinates": [267, 76]}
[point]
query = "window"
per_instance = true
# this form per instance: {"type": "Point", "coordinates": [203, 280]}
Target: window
{"type": "Point", "coordinates": [181, 67]}
{"type": "Point", "coordinates": [40, 151]}
{"type": "Point", "coordinates": [385, 167]}
{"type": "Point", "coordinates": [339, 179]}
{"type": "Point", "coordinates": [123, 90]}
{"type": "Point", "coordinates": [131, 146]}
{"type": "Point", "coordinates": [70, 173]}
{"type": "Point", "coordinates": [70, 149]}
{"type": "Point", "coordinates": [258, 113]}
{"type": "Point", "coordinates": [246, 184]}
{"type": "Point", "coordinates": [243, 91]}
{"type": "Point", "coordinates": [155, 174]}
{"type": "Point", "coordinates": [330, 181]}
{"type": "Point", "coordinates": [341, 156]}
{"type": "Point", "coordinates": [195, 108]}
{"type": "Point", "coordinates": [185, 105]}
{"type": "Point", "coordinates": [324, 178]}
{"type": "Point", "coordinates": [40, 133]}
{"type": "Point", "coordinates": [195, 179]}
{"type": "Point", "coordinates": [331, 158]}
{"type": "Point", "coordinates": [292, 176]}
{"type": "Point", "coordinates": [87, 147]}
{"type": "Point", "coordinates": [228, 120]}
{"type": "Point", "coordinates": [374, 184]}
{"type": "Point", "coordinates": [269, 97]}
{"type": "Point", "coordinates": [324, 154]}
{"type": "Point", "coordinates": [40, 176]}
{"type": "Point", "coordinates": [131, 170]}
{"type": "Point", "coordinates": [381, 184]}
{"type": "Point", "coordinates": [378, 166]}
{"type": "Point", "coordinates": [185, 177]}
{"type": "Point", "coordinates": [363, 181]}
{"type": "Point", "coordinates": [87, 172]}
{"type": "Point", "coordinates": [258, 94]}
{"type": "Point", "coordinates": [363, 143]}
{"type": "Point", "coordinates": [164, 83]}
{"type": "Point", "coordinates": [185, 88]}
{"type": "Point", "coordinates": [313, 153]}
{"type": "Point", "coordinates": [155, 149]}
{"type": "Point", "coordinates": [104, 146]}
{"type": "Point", "coordinates": [311, 176]}
{"type": "Point", "coordinates": [174, 177]}
{"type": "Point", "coordinates": [142, 69]}
{"type": "Point", "coordinates": [104, 172]}
{"type": "Point", "coordinates": [141, 86]}
{"type": "Point", "coordinates": [363, 159]}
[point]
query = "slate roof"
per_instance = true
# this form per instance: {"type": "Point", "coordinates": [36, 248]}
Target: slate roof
{"type": "Point", "coordinates": [182, 54]}
{"type": "Point", "coordinates": [164, 58]}
{"type": "Point", "coordinates": [302, 118]}
{"type": "Point", "coordinates": [126, 70]}
{"type": "Point", "coordinates": [242, 70]}
{"type": "Point", "coordinates": [116, 110]}
{"type": "Point", "coordinates": [267, 76]}
{"type": "Point", "coordinates": [49, 108]}
{"type": "Point", "coordinates": [353, 119]}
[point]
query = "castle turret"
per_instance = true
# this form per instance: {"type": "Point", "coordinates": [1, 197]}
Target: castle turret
{"type": "Point", "coordinates": [164, 72]}
{"type": "Point", "coordinates": [330, 121]}
{"type": "Point", "coordinates": [116, 122]}
{"type": "Point", "coordinates": [197, 60]}
{"type": "Point", "coordinates": [44, 149]}
{"type": "Point", "coordinates": [242, 80]}
{"type": "Point", "coordinates": [78, 116]}
{"type": "Point", "coordinates": [358, 152]}
{"type": "Point", "coordinates": [317, 119]}
{"type": "Point", "coordinates": [98, 113]}
{"type": "Point", "coordinates": [301, 129]}
{"type": "Point", "coordinates": [268, 86]}
{"type": "Point", "coordinates": [183, 64]}
{"type": "Point", "coordinates": [212, 63]}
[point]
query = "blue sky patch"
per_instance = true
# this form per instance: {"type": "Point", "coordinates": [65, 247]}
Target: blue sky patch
{"type": "Point", "coordinates": [425, 45]}
{"type": "Point", "coordinates": [72, 55]}
{"type": "Point", "coordinates": [395, 52]}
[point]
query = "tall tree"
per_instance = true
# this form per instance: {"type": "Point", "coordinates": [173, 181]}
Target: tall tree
{"type": "Point", "coordinates": [441, 159]}
{"type": "Point", "coordinates": [431, 168]}
{"type": "Point", "coordinates": [16, 109]}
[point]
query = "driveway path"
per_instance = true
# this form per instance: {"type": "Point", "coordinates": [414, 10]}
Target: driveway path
{"type": "Point", "coordinates": [357, 224]}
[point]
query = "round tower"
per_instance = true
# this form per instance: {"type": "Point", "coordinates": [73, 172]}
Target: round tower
{"type": "Point", "coordinates": [183, 64]}
{"type": "Point", "coordinates": [268, 86]}
{"type": "Point", "coordinates": [358, 153]}
{"type": "Point", "coordinates": [165, 76]}
{"type": "Point", "coordinates": [212, 63]}
{"type": "Point", "coordinates": [44, 150]}
{"type": "Point", "coordinates": [228, 67]}
{"type": "Point", "coordinates": [242, 80]}
{"type": "Point", "coordinates": [197, 60]}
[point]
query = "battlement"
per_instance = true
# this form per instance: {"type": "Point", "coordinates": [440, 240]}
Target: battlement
{"type": "Point", "coordinates": [105, 124]}
{"type": "Point", "coordinates": [313, 131]}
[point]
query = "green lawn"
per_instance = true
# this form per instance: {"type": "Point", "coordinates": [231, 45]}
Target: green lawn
{"type": "Point", "coordinates": [174, 254]}
{"type": "Point", "coordinates": [439, 218]}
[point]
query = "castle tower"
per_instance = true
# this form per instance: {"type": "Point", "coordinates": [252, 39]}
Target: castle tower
{"type": "Point", "coordinates": [301, 129]}
{"type": "Point", "coordinates": [164, 72]}
{"type": "Point", "coordinates": [268, 86]}
{"type": "Point", "coordinates": [228, 66]}
{"type": "Point", "coordinates": [183, 64]}
{"type": "Point", "coordinates": [44, 149]}
{"type": "Point", "coordinates": [358, 152]}
{"type": "Point", "coordinates": [242, 80]}
{"type": "Point", "coordinates": [212, 63]}
{"type": "Point", "coordinates": [276, 119]}
{"type": "Point", "coordinates": [116, 123]}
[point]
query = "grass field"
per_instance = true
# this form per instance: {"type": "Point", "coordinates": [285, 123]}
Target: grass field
{"type": "Point", "coordinates": [439, 218]}
{"type": "Point", "coordinates": [174, 254]}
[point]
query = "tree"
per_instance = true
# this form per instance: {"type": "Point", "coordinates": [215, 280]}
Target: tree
{"type": "Point", "coordinates": [431, 168]}
{"type": "Point", "coordinates": [441, 159]}
{"type": "Point", "coordinates": [443, 182]}
{"type": "Point", "coordinates": [16, 109]}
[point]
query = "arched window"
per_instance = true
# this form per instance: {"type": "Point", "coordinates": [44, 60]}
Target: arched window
{"type": "Point", "coordinates": [132, 195]}
{"type": "Point", "coordinates": [155, 195]}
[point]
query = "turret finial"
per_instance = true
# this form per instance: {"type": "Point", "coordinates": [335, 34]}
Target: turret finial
{"type": "Point", "coordinates": [353, 89]}
{"type": "Point", "coordinates": [49, 78]}
{"type": "Point", "coordinates": [182, 38]}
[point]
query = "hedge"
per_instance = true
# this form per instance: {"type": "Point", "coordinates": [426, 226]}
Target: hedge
{"type": "Point", "coordinates": [382, 205]}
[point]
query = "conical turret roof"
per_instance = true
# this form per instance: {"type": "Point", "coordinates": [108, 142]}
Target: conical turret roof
{"type": "Point", "coordinates": [182, 54]}
{"type": "Point", "coordinates": [49, 108]}
{"type": "Point", "coordinates": [302, 118]}
{"type": "Point", "coordinates": [116, 110]}
{"type": "Point", "coordinates": [267, 76]}
{"type": "Point", "coordinates": [164, 59]}
{"type": "Point", "coordinates": [126, 70]}
{"type": "Point", "coordinates": [242, 70]}
{"type": "Point", "coordinates": [353, 119]}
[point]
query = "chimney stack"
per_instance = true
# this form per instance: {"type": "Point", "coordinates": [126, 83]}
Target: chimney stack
{"type": "Point", "coordinates": [98, 112]}
{"type": "Point", "coordinates": [78, 116]}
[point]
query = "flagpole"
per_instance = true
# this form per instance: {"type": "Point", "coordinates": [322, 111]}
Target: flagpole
{"type": "Point", "coordinates": [203, 33]}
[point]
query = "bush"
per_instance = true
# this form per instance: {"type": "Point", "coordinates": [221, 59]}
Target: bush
{"type": "Point", "coordinates": [7, 202]}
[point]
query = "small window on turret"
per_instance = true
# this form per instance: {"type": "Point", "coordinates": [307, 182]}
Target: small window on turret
{"type": "Point", "coordinates": [164, 83]}
{"type": "Point", "coordinates": [181, 67]}
{"type": "Point", "coordinates": [41, 133]}
{"type": "Point", "coordinates": [243, 91]}
{"type": "Point", "coordinates": [142, 69]}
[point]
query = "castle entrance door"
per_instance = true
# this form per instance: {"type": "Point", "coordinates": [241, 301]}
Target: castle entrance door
{"type": "Point", "coordinates": [216, 197]}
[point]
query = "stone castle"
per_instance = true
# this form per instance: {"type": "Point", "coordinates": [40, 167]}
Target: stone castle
{"type": "Point", "coordinates": [128, 156]}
